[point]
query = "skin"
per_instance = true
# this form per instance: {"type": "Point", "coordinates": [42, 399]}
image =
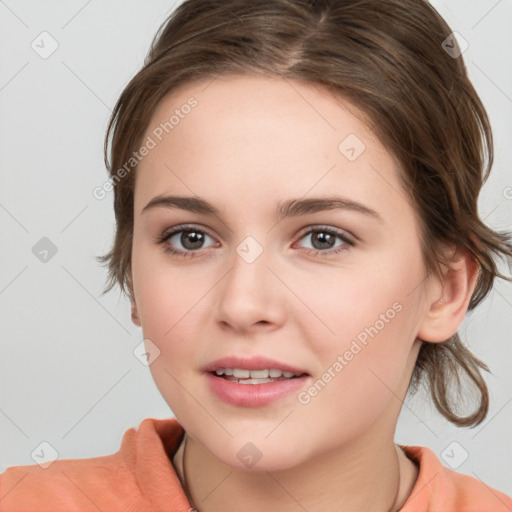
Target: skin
{"type": "Point", "coordinates": [249, 143]}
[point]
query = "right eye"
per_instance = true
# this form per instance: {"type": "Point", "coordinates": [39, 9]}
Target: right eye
{"type": "Point", "coordinates": [190, 238]}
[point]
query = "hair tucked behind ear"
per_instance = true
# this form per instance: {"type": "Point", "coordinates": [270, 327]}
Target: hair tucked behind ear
{"type": "Point", "coordinates": [387, 57]}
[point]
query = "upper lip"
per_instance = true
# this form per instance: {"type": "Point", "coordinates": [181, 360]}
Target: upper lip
{"type": "Point", "coordinates": [251, 363]}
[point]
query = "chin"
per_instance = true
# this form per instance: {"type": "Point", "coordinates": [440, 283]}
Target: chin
{"type": "Point", "coordinates": [258, 456]}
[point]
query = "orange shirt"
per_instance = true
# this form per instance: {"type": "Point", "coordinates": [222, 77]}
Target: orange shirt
{"type": "Point", "coordinates": [141, 477]}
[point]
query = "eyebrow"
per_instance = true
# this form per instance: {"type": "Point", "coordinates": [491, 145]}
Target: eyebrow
{"type": "Point", "coordinates": [289, 208]}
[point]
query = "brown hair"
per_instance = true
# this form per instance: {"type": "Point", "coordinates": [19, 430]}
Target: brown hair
{"type": "Point", "coordinates": [389, 58]}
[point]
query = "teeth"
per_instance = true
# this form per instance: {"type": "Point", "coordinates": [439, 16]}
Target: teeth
{"type": "Point", "coordinates": [254, 381]}
{"type": "Point", "coordinates": [241, 374]}
{"type": "Point", "coordinates": [255, 374]}
{"type": "Point", "coordinates": [259, 374]}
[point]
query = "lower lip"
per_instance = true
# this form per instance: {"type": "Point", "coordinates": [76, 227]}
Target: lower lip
{"type": "Point", "coordinates": [254, 395]}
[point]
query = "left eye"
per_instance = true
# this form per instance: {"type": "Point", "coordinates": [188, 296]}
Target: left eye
{"type": "Point", "coordinates": [324, 240]}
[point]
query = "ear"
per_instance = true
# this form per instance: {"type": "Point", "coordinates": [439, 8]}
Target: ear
{"type": "Point", "coordinates": [449, 298]}
{"type": "Point", "coordinates": [135, 313]}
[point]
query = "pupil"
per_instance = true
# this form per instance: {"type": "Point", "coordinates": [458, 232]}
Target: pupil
{"type": "Point", "coordinates": [194, 237]}
{"type": "Point", "coordinates": [323, 238]}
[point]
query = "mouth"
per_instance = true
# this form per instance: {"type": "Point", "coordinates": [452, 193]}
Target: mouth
{"type": "Point", "coordinates": [254, 382]}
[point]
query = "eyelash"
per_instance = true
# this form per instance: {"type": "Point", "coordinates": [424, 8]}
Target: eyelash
{"type": "Point", "coordinates": [166, 235]}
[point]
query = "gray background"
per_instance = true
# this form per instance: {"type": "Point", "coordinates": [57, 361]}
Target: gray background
{"type": "Point", "coordinates": [67, 369]}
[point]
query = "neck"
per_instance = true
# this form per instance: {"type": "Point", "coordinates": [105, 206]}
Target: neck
{"type": "Point", "coordinates": [374, 477]}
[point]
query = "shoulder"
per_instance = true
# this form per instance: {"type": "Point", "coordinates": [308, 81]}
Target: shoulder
{"type": "Point", "coordinates": [119, 481]}
{"type": "Point", "coordinates": [441, 489]}
{"type": "Point", "coordinates": [70, 484]}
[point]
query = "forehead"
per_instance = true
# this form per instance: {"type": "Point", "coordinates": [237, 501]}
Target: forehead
{"type": "Point", "coordinates": [252, 133]}
{"type": "Point", "coordinates": [260, 105]}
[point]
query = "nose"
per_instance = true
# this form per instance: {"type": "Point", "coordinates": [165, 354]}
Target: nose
{"type": "Point", "coordinates": [251, 296]}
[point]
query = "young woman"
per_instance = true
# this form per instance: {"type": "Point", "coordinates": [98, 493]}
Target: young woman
{"type": "Point", "coordinates": [296, 189]}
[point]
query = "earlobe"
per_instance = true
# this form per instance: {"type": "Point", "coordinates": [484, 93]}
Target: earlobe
{"type": "Point", "coordinates": [135, 315]}
{"type": "Point", "coordinates": [446, 311]}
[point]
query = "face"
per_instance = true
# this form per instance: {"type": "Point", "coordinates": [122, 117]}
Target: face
{"type": "Point", "coordinates": [273, 267]}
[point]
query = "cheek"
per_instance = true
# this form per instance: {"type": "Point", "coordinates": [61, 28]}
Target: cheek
{"type": "Point", "coordinates": [364, 332]}
{"type": "Point", "coordinates": [361, 304]}
{"type": "Point", "coordinates": [169, 311]}
{"type": "Point", "coordinates": [164, 291]}
{"type": "Point", "coordinates": [166, 301]}
{"type": "Point", "coordinates": [170, 316]}
{"type": "Point", "coordinates": [362, 374]}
